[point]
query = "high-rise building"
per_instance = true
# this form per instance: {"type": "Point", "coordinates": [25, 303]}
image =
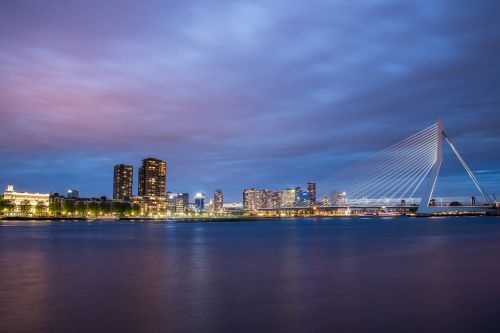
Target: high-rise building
{"type": "Point", "coordinates": [311, 188]}
{"type": "Point", "coordinates": [73, 194]}
{"type": "Point", "coordinates": [122, 182]}
{"type": "Point", "coordinates": [271, 199]}
{"type": "Point", "coordinates": [218, 201]}
{"type": "Point", "coordinates": [199, 201]}
{"type": "Point", "coordinates": [170, 202]}
{"type": "Point", "coordinates": [177, 202]}
{"type": "Point", "coordinates": [288, 197]}
{"type": "Point", "coordinates": [302, 198]}
{"type": "Point", "coordinates": [338, 198]}
{"type": "Point", "coordinates": [266, 197]}
{"type": "Point", "coordinates": [153, 178]}
{"type": "Point", "coordinates": [181, 202]}
{"type": "Point", "coordinates": [252, 199]}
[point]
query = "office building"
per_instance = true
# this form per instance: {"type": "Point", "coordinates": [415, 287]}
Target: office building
{"type": "Point", "coordinates": [311, 189]}
{"type": "Point", "coordinates": [73, 194]}
{"type": "Point", "coordinates": [177, 202]}
{"type": "Point", "coordinates": [199, 201]}
{"type": "Point", "coordinates": [288, 197]}
{"type": "Point", "coordinates": [338, 198]}
{"type": "Point", "coordinates": [271, 199]}
{"type": "Point", "coordinates": [302, 198]}
{"type": "Point", "coordinates": [181, 202]}
{"type": "Point", "coordinates": [170, 202]}
{"type": "Point", "coordinates": [152, 178]}
{"type": "Point", "coordinates": [122, 182]}
{"type": "Point", "coordinates": [218, 201]}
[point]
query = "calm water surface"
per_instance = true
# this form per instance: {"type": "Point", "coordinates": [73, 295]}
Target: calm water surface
{"type": "Point", "coordinates": [327, 275]}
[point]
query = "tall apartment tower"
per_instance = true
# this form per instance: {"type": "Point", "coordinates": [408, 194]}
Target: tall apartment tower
{"type": "Point", "coordinates": [218, 201]}
{"type": "Point", "coordinates": [153, 178]}
{"type": "Point", "coordinates": [252, 199]}
{"type": "Point", "coordinates": [311, 189]}
{"type": "Point", "coordinates": [122, 182]}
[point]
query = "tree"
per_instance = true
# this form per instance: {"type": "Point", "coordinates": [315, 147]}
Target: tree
{"type": "Point", "coordinates": [69, 207]}
{"type": "Point", "coordinates": [10, 206]}
{"type": "Point", "coordinates": [455, 203]}
{"type": "Point", "coordinates": [81, 208]}
{"type": "Point", "coordinates": [56, 207]}
{"type": "Point", "coordinates": [3, 205]}
{"type": "Point", "coordinates": [104, 207]}
{"type": "Point", "coordinates": [136, 209]}
{"type": "Point", "coordinates": [119, 209]}
{"type": "Point", "coordinates": [93, 208]}
{"type": "Point", "coordinates": [40, 208]}
{"type": "Point", "coordinates": [6, 206]}
{"type": "Point", "coordinates": [25, 207]}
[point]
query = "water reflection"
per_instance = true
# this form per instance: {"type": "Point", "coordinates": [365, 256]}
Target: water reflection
{"type": "Point", "coordinates": [322, 275]}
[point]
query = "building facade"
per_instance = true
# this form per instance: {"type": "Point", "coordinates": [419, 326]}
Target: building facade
{"type": "Point", "coordinates": [311, 189]}
{"type": "Point", "coordinates": [152, 178]}
{"type": "Point", "coordinates": [27, 203]}
{"type": "Point", "coordinates": [252, 199]}
{"type": "Point", "coordinates": [271, 199]}
{"type": "Point", "coordinates": [181, 203]}
{"type": "Point", "coordinates": [338, 198]}
{"type": "Point", "coordinates": [288, 197]}
{"type": "Point", "coordinates": [122, 182]}
{"type": "Point", "coordinates": [199, 201]}
{"type": "Point", "coordinates": [177, 203]}
{"type": "Point", "coordinates": [218, 201]}
{"type": "Point", "coordinates": [73, 194]}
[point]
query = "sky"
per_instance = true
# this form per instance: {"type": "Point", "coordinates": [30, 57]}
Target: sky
{"type": "Point", "coordinates": [239, 94]}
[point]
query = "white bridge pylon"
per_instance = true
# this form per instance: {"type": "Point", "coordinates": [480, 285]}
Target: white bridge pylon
{"type": "Point", "coordinates": [396, 173]}
{"type": "Point", "coordinates": [425, 207]}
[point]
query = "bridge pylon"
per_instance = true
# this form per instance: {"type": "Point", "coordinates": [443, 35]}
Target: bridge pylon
{"type": "Point", "coordinates": [425, 207]}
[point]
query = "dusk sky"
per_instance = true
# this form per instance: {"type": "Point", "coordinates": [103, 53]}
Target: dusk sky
{"type": "Point", "coordinates": [235, 94]}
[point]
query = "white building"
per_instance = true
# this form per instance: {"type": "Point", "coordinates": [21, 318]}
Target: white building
{"type": "Point", "coordinates": [20, 198]}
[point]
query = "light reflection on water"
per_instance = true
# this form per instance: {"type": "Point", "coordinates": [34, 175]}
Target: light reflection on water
{"type": "Point", "coordinates": [346, 274]}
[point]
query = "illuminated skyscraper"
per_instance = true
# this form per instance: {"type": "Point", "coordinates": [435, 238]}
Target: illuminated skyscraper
{"type": "Point", "coordinates": [181, 202]}
{"type": "Point", "coordinates": [338, 198]}
{"type": "Point", "coordinates": [302, 198]}
{"type": "Point", "coordinates": [311, 189]}
{"type": "Point", "coordinates": [153, 178]}
{"type": "Point", "coordinates": [218, 201]}
{"type": "Point", "coordinates": [122, 182]}
{"type": "Point", "coordinates": [252, 199]}
{"type": "Point", "coordinates": [199, 201]}
{"type": "Point", "coordinates": [73, 194]}
{"type": "Point", "coordinates": [288, 197]}
{"type": "Point", "coordinates": [271, 198]}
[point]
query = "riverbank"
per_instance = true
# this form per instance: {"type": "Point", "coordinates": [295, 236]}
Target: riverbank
{"type": "Point", "coordinates": [31, 218]}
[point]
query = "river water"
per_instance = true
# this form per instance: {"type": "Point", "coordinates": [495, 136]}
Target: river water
{"type": "Point", "coordinates": [291, 275]}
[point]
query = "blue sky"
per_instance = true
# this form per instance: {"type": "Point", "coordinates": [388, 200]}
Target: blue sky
{"type": "Point", "coordinates": [236, 94]}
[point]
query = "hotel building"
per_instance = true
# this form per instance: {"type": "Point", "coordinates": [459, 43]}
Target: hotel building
{"type": "Point", "coordinates": [19, 199]}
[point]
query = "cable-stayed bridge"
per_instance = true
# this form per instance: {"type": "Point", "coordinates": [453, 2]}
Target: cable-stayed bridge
{"type": "Point", "coordinates": [401, 176]}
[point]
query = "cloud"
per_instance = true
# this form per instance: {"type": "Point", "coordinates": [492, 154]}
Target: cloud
{"type": "Point", "coordinates": [237, 94]}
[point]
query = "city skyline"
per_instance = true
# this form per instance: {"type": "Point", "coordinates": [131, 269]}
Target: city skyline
{"type": "Point", "coordinates": [275, 95]}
